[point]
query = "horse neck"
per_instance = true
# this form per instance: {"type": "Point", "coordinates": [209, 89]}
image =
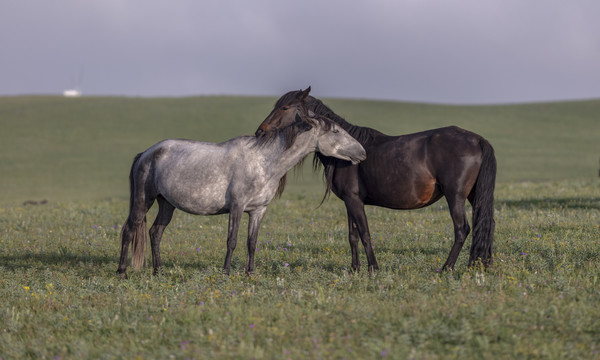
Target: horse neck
{"type": "Point", "coordinates": [362, 134]}
{"type": "Point", "coordinates": [282, 159]}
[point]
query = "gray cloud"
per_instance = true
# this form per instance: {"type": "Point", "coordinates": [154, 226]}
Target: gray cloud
{"type": "Point", "coordinates": [437, 51]}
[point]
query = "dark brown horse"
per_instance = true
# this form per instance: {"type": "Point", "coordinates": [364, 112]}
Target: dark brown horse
{"type": "Point", "coordinates": [406, 172]}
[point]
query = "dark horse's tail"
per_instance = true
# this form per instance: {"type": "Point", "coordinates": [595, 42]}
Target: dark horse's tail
{"type": "Point", "coordinates": [483, 208]}
{"type": "Point", "coordinates": [138, 243]}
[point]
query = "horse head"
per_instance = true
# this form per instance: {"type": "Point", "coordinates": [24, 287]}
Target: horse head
{"type": "Point", "coordinates": [334, 141]}
{"type": "Point", "coordinates": [285, 111]}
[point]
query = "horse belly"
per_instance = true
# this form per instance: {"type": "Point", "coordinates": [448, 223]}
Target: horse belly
{"type": "Point", "coordinates": [197, 196]}
{"type": "Point", "coordinates": [402, 190]}
{"type": "Point", "coordinates": [403, 199]}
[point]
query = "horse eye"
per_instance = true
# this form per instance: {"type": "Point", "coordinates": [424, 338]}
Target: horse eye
{"type": "Point", "coordinates": [286, 107]}
{"type": "Point", "coordinates": [335, 131]}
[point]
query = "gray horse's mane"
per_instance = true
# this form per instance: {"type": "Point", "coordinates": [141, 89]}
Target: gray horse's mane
{"type": "Point", "coordinates": [291, 132]}
{"type": "Point", "coordinates": [289, 135]}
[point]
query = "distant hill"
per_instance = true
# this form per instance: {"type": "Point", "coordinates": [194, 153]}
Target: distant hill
{"type": "Point", "coordinates": [82, 148]}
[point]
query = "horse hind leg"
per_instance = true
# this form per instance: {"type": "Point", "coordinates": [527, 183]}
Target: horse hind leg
{"type": "Point", "coordinates": [456, 205]}
{"type": "Point", "coordinates": [163, 218]}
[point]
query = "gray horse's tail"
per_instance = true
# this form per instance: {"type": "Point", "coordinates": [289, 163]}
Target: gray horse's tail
{"type": "Point", "coordinates": [138, 246]}
{"type": "Point", "coordinates": [483, 208]}
{"type": "Point", "coordinates": [140, 237]}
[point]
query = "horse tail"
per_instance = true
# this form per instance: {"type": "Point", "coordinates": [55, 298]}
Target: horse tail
{"type": "Point", "coordinates": [483, 208]}
{"type": "Point", "coordinates": [139, 240]}
{"type": "Point", "coordinates": [138, 245]}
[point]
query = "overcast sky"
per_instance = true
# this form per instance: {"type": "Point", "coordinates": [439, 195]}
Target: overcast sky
{"type": "Point", "coordinates": [448, 51]}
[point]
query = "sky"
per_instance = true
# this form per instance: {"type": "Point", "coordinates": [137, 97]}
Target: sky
{"type": "Point", "coordinates": [435, 51]}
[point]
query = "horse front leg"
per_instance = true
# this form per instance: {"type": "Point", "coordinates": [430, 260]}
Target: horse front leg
{"type": "Point", "coordinates": [356, 210]}
{"type": "Point", "coordinates": [254, 221]}
{"type": "Point", "coordinates": [235, 216]}
{"type": "Point", "coordinates": [353, 239]}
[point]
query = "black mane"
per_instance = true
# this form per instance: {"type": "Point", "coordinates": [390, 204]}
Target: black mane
{"type": "Point", "coordinates": [362, 134]}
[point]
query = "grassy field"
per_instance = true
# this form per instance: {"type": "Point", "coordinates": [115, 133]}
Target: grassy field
{"type": "Point", "coordinates": [62, 299]}
{"type": "Point", "coordinates": [81, 149]}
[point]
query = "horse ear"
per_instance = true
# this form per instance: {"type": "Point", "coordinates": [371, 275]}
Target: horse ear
{"type": "Point", "coordinates": [305, 93]}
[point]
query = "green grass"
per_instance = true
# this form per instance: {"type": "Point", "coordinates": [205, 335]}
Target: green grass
{"type": "Point", "coordinates": [61, 296]}
{"type": "Point", "coordinates": [62, 299]}
{"type": "Point", "coordinates": [59, 148]}
{"type": "Point", "coordinates": [81, 149]}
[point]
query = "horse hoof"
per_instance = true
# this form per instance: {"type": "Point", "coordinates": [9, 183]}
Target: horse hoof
{"type": "Point", "coordinates": [157, 272]}
{"type": "Point", "coordinates": [122, 276]}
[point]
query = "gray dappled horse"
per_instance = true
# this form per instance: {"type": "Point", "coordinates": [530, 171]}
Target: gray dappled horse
{"type": "Point", "coordinates": [236, 176]}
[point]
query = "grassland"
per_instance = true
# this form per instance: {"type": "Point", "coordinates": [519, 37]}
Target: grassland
{"type": "Point", "coordinates": [61, 298]}
{"type": "Point", "coordinates": [81, 149]}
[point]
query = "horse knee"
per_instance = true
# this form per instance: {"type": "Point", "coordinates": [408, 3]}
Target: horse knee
{"type": "Point", "coordinates": [461, 232]}
{"type": "Point", "coordinates": [155, 234]}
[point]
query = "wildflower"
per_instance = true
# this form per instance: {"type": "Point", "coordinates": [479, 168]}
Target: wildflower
{"type": "Point", "coordinates": [251, 325]}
